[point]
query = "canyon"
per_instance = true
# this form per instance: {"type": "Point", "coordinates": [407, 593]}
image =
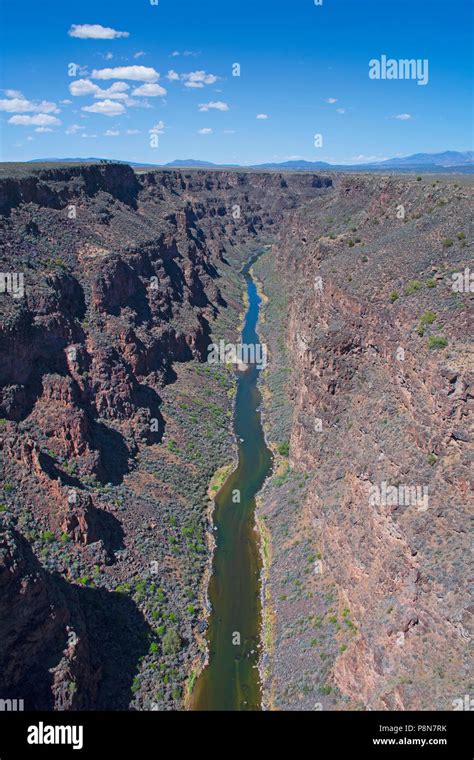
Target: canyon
{"type": "Point", "coordinates": [113, 424]}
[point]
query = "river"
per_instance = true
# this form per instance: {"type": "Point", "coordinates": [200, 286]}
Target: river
{"type": "Point", "coordinates": [230, 681]}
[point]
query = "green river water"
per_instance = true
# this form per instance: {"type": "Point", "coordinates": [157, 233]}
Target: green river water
{"type": "Point", "coordinates": [230, 681]}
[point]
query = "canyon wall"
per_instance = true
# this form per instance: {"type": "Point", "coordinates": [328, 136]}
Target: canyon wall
{"type": "Point", "coordinates": [366, 523]}
{"type": "Point", "coordinates": [112, 424]}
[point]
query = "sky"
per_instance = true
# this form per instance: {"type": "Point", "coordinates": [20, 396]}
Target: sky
{"type": "Point", "coordinates": [156, 80]}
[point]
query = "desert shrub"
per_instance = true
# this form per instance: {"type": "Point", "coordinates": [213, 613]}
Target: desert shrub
{"type": "Point", "coordinates": [437, 341]}
{"type": "Point", "coordinates": [171, 641]}
{"type": "Point", "coordinates": [413, 286]}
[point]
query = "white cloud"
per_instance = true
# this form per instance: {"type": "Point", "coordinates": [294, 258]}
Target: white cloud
{"type": "Point", "coordinates": [43, 129]}
{"type": "Point", "coordinates": [217, 105]}
{"type": "Point", "coordinates": [111, 133]}
{"type": "Point", "coordinates": [341, 110]}
{"type": "Point", "coordinates": [65, 102]}
{"type": "Point", "coordinates": [331, 100]}
{"type": "Point", "coordinates": [95, 32]}
{"type": "Point", "coordinates": [132, 102]}
{"type": "Point", "coordinates": [105, 107]}
{"type": "Point", "coordinates": [82, 87]}
{"type": "Point", "coordinates": [186, 53]}
{"type": "Point", "coordinates": [403, 116]}
{"type": "Point", "coordinates": [229, 131]}
{"type": "Point", "coordinates": [262, 116]}
{"type": "Point", "coordinates": [14, 94]}
{"type": "Point", "coordinates": [149, 90]}
{"type": "Point", "coordinates": [30, 138]}
{"type": "Point", "coordinates": [158, 129]}
{"type": "Point", "coordinates": [139, 54]}
{"type": "Point", "coordinates": [73, 129]}
{"type": "Point", "coordinates": [198, 77]}
{"type": "Point", "coordinates": [108, 56]}
{"type": "Point", "coordinates": [205, 131]}
{"type": "Point", "coordinates": [39, 120]}
{"type": "Point", "coordinates": [22, 105]}
{"type": "Point", "coordinates": [136, 73]}
{"type": "Point", "coordinates": [132, 131]}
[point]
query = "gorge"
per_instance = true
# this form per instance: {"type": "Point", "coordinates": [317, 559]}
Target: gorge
{"type": "Point", "coordinates": [114, 425]}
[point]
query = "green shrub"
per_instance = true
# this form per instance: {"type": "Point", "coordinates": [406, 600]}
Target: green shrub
{"type": "Point", "coordinates": [437, 341]}
{"type": "Point", "coordinates": [447, 243]}
{"type": "Point", "coordinates": [393, 296]}
{"type": "Point", "coordinates": [284, 448]}
{"type": "Point", "coordinates": [171, 641]}
{"type": "Point", "coordinates": [413, 286]}
{"type": "Point", "coordinates": [426, 319]}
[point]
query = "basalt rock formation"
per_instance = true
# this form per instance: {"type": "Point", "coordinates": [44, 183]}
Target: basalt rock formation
{"type": "Point", "coordinates": [113, 423]}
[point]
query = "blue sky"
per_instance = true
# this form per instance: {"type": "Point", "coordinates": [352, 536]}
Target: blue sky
{"type": "Point", "coordinates": [168, 68]}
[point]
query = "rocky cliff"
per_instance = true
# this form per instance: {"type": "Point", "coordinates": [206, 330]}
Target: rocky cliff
{"type": "Point", "coordinates": [113, 423]}
{"type": "Point", "coordinates": [367, 591]}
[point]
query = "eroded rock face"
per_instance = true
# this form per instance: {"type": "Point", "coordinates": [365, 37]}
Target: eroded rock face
{"type": "Point", "coordinates": [126, 277]}
{"type": "Point", "coordinates": [45, 651]}
{"type": "Point", "coordinates": [387, 602]}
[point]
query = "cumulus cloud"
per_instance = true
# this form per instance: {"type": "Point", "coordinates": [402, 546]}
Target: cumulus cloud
{"type": "Point", "coordinates": [403, 116]}
{"type": "Point", "coordinates": [73, 129]}
{"type": "Point", "coordinates": [43, 129]}
{"type": "Point", "coordinates": [95, 32]}
{"type": "Point", "coordinates": [217, 105]}
{"type": "Point", "coordinates": [341, 110]}
{"type": "Point", "coordinates": [116, 91]}
{"type": "Point", "coordinates": [196, 79]}
{"type": "Point", "coordinates": [136, 73]}
{"type": "Point", "coordinates": [111, 133]}
{"type": "Point", "coordinates": [158, 129]}
{"type": "Point", "coordinates": [331, 100]}
{"type": "Point", "coordinates": [139, 54]}
{"type": "Point", "coordinates": [105, 108]}
{"type": "Point", "coordinates": [149, 90]}
{"type": "Point", "coordinates": [262, 116]}
{"type": "Point", "coordinates": [205, 131]}
{"type": "Point", "coordinates": [22, 105]}
{"type": "Point", "coordinates": [39, 120]}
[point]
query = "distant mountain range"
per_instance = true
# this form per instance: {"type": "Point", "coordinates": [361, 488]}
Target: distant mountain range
{"type": "Point", "coordinates": [448, 161]}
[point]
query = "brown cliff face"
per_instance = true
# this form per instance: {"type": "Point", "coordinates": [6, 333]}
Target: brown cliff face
{"type": "Point", "coordinates": [375, 401]}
